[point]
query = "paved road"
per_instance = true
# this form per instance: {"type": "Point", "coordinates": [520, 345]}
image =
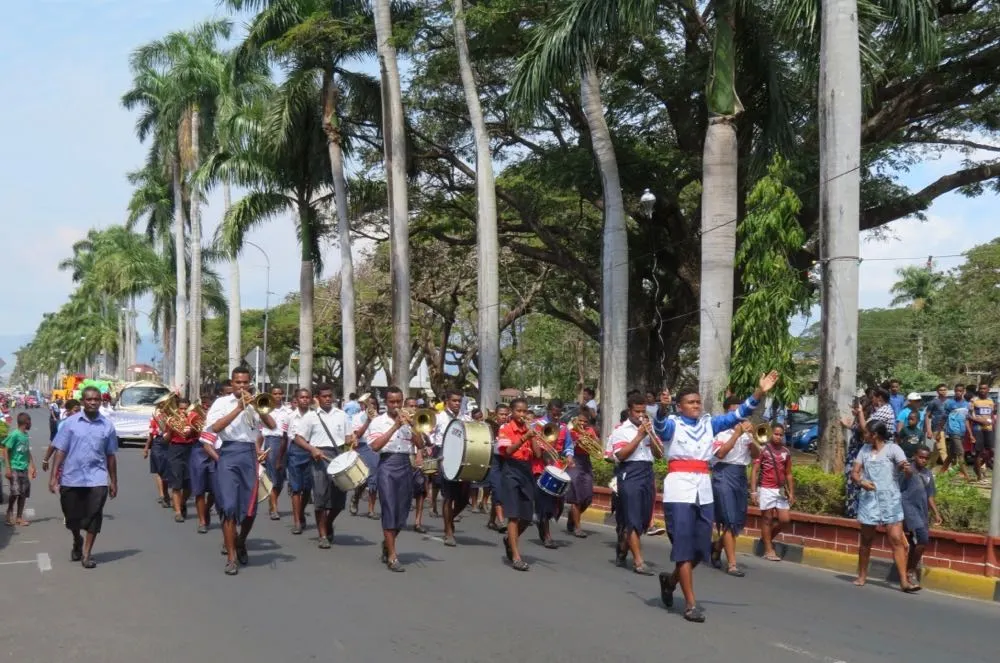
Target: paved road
{"type": "Point", "coordinates": [159, 592]}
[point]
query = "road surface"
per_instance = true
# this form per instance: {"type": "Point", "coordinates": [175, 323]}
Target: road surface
{"type": "Point", "coordinates": [159, 593]}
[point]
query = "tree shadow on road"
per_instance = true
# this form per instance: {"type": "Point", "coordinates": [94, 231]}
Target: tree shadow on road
{"type": "Point", "coordinates": [262, 544]}
{"type": "Point", "coordinates": [416, 558]}
{"type": "Point", "coordinates": [270, 559]}
{"type": "Point", "coordinates": [473, 541]}
{"type": "Point", "coordinates": [6, 534]}
{"type": "Point", "coordinates": [351, 540]}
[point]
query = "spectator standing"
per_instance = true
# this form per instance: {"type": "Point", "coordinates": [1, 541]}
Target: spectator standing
{"type": "Point", "coordinates": [911, 437]}
{"type": "Point", "coordinates": [896, 400]}
{"type": "Point", "coordinates": [982, 420]}
{"type": "Point", "coordinates": [918, 493]}
{"type": "Point", "coordinates": [955, 428]}
{"type": "Point", "coordinates": [935, 418]}
{"type": "Point", "coordinates": [914, 403]}
{"type": "Point", "coordinates": [20, 469]}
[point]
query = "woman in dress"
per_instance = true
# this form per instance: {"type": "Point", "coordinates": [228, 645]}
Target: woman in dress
{"type": "Point", "coordinates": [877, 469]}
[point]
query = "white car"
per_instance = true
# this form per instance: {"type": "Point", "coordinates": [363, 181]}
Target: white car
{"type": "Point", "coordinates": [134, 409]}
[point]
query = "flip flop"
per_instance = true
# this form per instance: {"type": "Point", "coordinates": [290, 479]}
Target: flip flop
{"type": "Point", "coordinates": [580, 534]}
{"type": "Point", "coordinates": [912, 589]}
{"type": "Point", "coordinates": [735, 572]}
{"type": "Point", "coordinates": [520, 565]}
{"type": "Point", "coordinates": [772, 558]}
{"type": "Point", "coordinates": [694, 614]}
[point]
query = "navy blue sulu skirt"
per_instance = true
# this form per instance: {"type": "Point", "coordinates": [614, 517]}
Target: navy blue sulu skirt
{"type": "Point", "coordinates": [519, 490]}
{"type": "Point", "coordinates": [729, 490]}
{"type": "Point", "coordinates": [394, 479]}
{"type": "Point", "coordinates": [636, 496]}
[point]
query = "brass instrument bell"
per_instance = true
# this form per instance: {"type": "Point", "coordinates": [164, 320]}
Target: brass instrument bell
{"type": "Point", "coordinates": [762, 434]}
{"type": "Point", "coordinates": [550, 432]}
{"type": "Point", "coordinates": [264, 403]}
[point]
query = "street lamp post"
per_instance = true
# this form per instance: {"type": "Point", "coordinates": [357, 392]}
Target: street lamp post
{"type": "Point", "coordinates": [267, 300]}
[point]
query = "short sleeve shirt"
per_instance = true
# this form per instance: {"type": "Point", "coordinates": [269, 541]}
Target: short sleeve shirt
{"type": "Point", "coordinates": [510, 433]}
{"type": "Point", "coordinates": [18, 450]}
{"type": "Point", "coordinates": [401, 441]}
{"type": "Point", "coordinates": [313, 431]}
{"type": "Point", "coordinates": [86, 444]}
{"type": "Point", "coordinates": [916, 490]}
{"type": "Point", "coordinates": [773, 462]}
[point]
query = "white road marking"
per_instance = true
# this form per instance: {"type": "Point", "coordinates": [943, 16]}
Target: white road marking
{"type": "Point", "coordinates": [806, 653]}
{"type": "Point", "coordinates": [428, 537]}
{"type": "Point", "coordinates": [31, 541]}
{"type": "Point", "coordinates": [44, 562]}
{"type": "Point", "coordinates": [21, 561]}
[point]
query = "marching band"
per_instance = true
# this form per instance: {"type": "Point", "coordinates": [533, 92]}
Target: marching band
{"type": "Point", "coordinates": [241, 449]}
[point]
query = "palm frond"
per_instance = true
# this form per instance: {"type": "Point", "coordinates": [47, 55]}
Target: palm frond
{"type": "Point", "coordinates": [253, 210]}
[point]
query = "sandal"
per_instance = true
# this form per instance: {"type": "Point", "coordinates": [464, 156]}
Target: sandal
{"type": "Point", "coordinates": [694, 614]}
{"type": "Point", "coordinates": [642, 570]}
{"type": "Point", "coordinates": [735, 572]}
{"type": "Point", "coordinates": [520, 565]}
{"type": "Point", "coordinates": [23, 523]}
{"type": "Point", "coordinates": [773, 557]}
{"type": "Point", "coordinates": [232, 569]}
{"type": "Point", "coordinates": [395, 566]}
{"type": "Point", "coordinates": [88, 563]}
{"type": "Point", "coordinates": [667, 587]}
{"type": "Point", "coordinates": [580, 534]}
{"type": "Point", "coordinates": [420, 529]}
{"type": "Point", "coordinates": [550, 544]}
{"type": "Point", "coordinates": [911, 589]}
{"type": "Point", "coordinates": [371, 516]}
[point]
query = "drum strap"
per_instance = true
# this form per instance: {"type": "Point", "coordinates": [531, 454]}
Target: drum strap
{"type": "Point", "coordinates": [336, 449]}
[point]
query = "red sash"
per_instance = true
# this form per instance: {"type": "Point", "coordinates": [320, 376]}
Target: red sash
{"type": "Point", "coordinates": [686, 465]}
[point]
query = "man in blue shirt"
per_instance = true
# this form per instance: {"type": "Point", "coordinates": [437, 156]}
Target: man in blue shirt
{"type": "Point", "coordinates": [955, 428]}
{"type": "Point", "coordinates": [85, 472]}
{"type": "Point", "coordinates": [896, 399]}
{"type": "Point", "coordinates": [935, 417]}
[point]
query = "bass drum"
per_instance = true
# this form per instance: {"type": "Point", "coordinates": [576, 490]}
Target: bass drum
{"type": "Point", "coordinates": [466, 451]}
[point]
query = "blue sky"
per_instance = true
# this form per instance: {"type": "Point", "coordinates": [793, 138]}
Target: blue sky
{"type": "Point", "coordinates": [68, 144]}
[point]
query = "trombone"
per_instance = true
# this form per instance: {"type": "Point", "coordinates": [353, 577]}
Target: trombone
{"type": "Point", "coordinates": [585, 440]}
{"type": "Point", "coordinates": [421, 420]}
{"type": "Point", "coordinates": [762, 434]}
{"type": "Point", "coordinates": [546, 437]}
{"type": "Point", "coordinates": [647, 426]}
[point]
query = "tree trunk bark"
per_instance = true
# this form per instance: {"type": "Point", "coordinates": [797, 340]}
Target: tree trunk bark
{"type": "Point", "coordinates": [180, 302]}
{"type": "Point", "coordinates": [839, 193]}
{"type": "Point", "coordinates": [196, 303]}
{"type": "Point", "coordinates": [331, 124]}
{"type": "Point", "coordinates": [306, 286]}
{"type": "Point", "coordinates": [165, 331]}
{"type": "Point", "coordinates": [719, 210]}
{"type": "Point", "coordinates": [399, 236]}
{"type": "Point", "coordinates": [614, 257]}
{"type": "Point", "coordinates": [487, 239]}
{"type": "Point", "coordinates": [235, 310]}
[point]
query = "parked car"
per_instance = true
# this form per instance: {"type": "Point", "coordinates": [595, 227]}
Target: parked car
{"type": "Point", "coordinates": [134, 409]}
{"type": "Point", "coordinates": [801, 430]}
{"type": "Point", "coordinates": [31, 402]}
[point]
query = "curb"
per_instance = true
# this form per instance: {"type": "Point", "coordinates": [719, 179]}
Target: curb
{"type": "Point", "coordinates": [940, 580]}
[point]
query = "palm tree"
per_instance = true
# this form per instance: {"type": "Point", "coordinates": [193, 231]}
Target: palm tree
{"type": "Point", "coordinates": [282, 159]}
{"type": "Point", "coordinates": [917, 287]}
{"type": "Point", "coordinates": [298, 32]}
{"type": "Point", "coordinates": [487, 239]}
{"type": "Point", "coordinates": [394, 142]}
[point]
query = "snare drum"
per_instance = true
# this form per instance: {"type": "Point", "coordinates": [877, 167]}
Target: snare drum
{"type": "Point", "coordinates": [554, 481]}
{"type": "Point", "coordinates": [466, 451]}
{"type": "Point", "coordinates": [264, 485]}
{"type": "Point", "coordinates": [431, 466]}
{"type": "Point", "coordinates": [348, 471]}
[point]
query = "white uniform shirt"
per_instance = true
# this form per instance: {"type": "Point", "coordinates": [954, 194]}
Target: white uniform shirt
{"type": "Point", "coordinates": [689, 442]}
{"type": "Point", "coordinates": [401, 441]}
{"type": "Point", "coordinates": [358, 421]}
{"type": "Point", "coordinates": [623, 435]}
{"type": "Point", "coordinates": [281, 417]}
{"type": "Point", "coordinates": [105, 410]}
{"type": "Point", "coordinates": [738, 455]}
{"type": "Point", "coordinates": [241, 429]}
{"type": "Point", "coordinates": [312, 431]}
{"type": "Point", "coordinates": [443, 419]}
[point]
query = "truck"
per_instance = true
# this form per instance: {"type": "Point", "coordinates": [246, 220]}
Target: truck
{"type": "Point", "coordinates": [67, 386]}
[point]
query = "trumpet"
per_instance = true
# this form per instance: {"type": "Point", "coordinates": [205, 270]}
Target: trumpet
{"type": "Point", "coordinates": [263, 403]}
{"type": "Point", "coordinates": [421, 420]}
{"type": "Point", "coordinates": [647, 426]}
{"type": "Point", "coordinates": [585, 440]}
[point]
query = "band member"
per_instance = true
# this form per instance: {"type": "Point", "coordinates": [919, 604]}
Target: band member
{"type": "Point", "coordinates": [297, 462]}
{"type": "Point", "coordinates": [156, 451]}
{"type": "Point", "coordinates": [234, 421]}
{"type": "Point", "coordinates": [420, 480]}
{"type": "Point", "coordinates": [729, 488]}
{"type": "Point", "coordinates": [548, 506]}
{"type": "Point", "coordinates": [454, 494]}
{"type": "Point", "coordinates": [202, 472]}
{"type": "Point", "coordinates": [518, 444]}
{"type": "Point", "coordinates": [580, 493]}
{"type": "Point", "coordinates": [178, 457]}
{"type": "Point", "coordinates": [322, 433]}
{"type": "Point", "coordinates": [85, 472]}
{"type": "Point", "coordinates": [360, 429]}
{"type": "Point", "coordinates": [635, 446]}
{"type": "Point", "coordinates": [273, 440]}
{"type": "Point", "coordinates": [391, 437]}
{"type": "Point", "coordinates": [495, 477]}
{"type": "Point", "coordinates": [687, 488]}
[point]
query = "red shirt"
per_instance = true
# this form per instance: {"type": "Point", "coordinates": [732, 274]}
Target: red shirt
{"type": "Point", "coordinates": [774, 465]}
{"type": "Point", "coordinates": [178, 437]}
{"type": "Point", "coordinates": [510, 433]}
{"type": "Point", "coordinates": [154, 427]}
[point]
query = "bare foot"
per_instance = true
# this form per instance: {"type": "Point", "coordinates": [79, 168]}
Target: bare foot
{"type": "Point", "coordinates": [21, 522]}
{"type": "Point", "coordinates": [860, 581]}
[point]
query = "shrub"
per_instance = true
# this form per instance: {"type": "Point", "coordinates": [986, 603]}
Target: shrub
{"type": "Point", "coordinates": [817, 491]}
{"type": "Point", "coordinates": [963, 507]}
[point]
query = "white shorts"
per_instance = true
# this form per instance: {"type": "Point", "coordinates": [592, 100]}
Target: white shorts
{"type": "Point", "coordinates": [770, 498]}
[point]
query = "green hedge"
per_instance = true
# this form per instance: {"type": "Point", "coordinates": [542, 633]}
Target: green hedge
{"type": "Point", "coordinates": [963, 507]}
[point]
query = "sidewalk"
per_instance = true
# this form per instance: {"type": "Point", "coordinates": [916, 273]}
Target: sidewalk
{"type": "Point", "coordinates": [942, 580]}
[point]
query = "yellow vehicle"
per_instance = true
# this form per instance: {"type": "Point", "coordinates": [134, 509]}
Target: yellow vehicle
{"type": "Point", "coordinates": [69, 384]}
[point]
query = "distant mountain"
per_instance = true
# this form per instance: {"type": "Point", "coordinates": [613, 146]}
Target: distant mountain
{"type": "Point", "coordinates": [9, 344]}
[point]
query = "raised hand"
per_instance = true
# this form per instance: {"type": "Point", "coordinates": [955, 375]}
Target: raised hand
{"type": "Point", "coordinates": [768, 381]}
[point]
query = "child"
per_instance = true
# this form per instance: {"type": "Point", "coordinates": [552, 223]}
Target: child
{"type": "Point", "coordinates": [911, 435]}
{"type": "Point", "coordinates": [20, 469]}
{"type": "Point", "coordinates": [918, 492]}
{"type": "Point", "coordinates": [777, 489]}
{"type": "Point", "coordinates": [72, 407]}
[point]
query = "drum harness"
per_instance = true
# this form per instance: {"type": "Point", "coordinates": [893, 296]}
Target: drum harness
{"type": "Point", "coordinates": [336, 447]}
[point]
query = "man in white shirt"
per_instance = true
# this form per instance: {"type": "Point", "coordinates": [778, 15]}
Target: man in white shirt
{"type": "Point", "coordinates": [635, 449]}
{"type": "Point", "coordinates": [390, 436]}
{"type": "Point", "coordinates": [297, 461]}
{"type": "Point", "coordinates": [454, 494]}
{"type": "Point", "coordinates": [322, 433]}
{"type": "Point", "coordinates": [274, 441]}
{"type": "Point", "coordinates": [688, 502]}
{"type": "Point", "coordinates": [237, 457]}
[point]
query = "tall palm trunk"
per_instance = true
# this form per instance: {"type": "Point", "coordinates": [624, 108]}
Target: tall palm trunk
{"type": "Point", "coordinates": [180, 303]}
{"type": "Point", "coordinates": [307, 275]}
{"type": "Point", "coordinates": [839, 193]}
{"type": "Point", "coordinates": [196, 303]}
{"type": "Point", "coordinates": [487, 239]}
{"type": "Point", "coordinates": [614, 256]}
{"type": "Point", "coordinates": [331, 124]}
{"type": "Point", "coordinates": [719, 210]}
{"type": "Point", "coordinates": [235, 311]}
{"type": "Point", "coordinates": [165, 332]}
{"type": "Point", "coordinates": [394, 138]}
